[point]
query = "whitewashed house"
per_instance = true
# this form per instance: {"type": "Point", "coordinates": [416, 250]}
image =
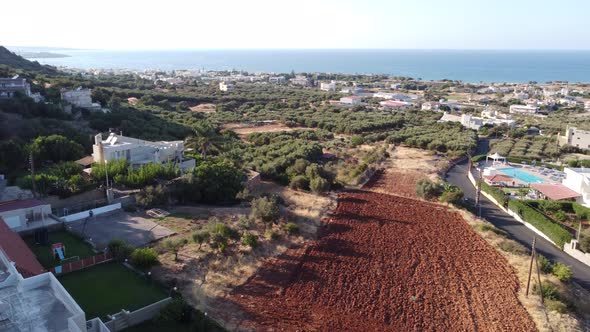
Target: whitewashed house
{"type": "Point", "coordinates": [351, 100]}
{"type": "Point", "coordinates": [523, 109]}
{"type": "Point", "coordinates": [325, 86]}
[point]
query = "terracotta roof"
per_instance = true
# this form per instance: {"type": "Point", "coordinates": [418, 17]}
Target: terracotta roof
{"type": "Point", "coordinates": [17, 251]}
{"type": "Point", "coordinates": [20, 204]}
{"type": "Point", "coordinates": [555, 191]}
{"type": "Point", "coordinates": [499, 178]}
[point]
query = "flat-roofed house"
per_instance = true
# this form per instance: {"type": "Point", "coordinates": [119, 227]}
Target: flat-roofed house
{"type": "Point", "coordinates": [11, 86]}
{"type": "Point", "coordinates": [578, 180]}
{"type": "Point", "coordinates": [575, 137]}
{"type": "Point", "coordinates": [523, 109]}
{"type": "Point", "coordinates": [18, 214]}
{"type": "Point", "coordinates": [351, 100]}
{"type": "Point", "coordinates": [138, 152]}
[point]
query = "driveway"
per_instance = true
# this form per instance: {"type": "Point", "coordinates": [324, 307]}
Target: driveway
{"type": "Point", "coordinates": [457, 175]}
{"type": "Point", "coordinates": [135, 230]}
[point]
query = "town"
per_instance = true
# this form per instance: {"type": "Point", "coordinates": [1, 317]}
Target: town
{"type": "Point", "coordinates": [150, 200]}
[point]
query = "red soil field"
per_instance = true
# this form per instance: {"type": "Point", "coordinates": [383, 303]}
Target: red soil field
{"type": "Point", "coordinates": [395, 182]}
{"type": "Point", "coordinates": [384, 263]}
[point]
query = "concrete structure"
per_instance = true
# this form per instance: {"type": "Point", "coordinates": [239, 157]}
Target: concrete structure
{"type": "Point", "coordinates": [80, 97]}
{"type": "Point", "coordinates": [575, 137]}
{"type": "Point", "coordinates": [277, 79]}
{"type": "Point", "coordinates": [351, 100]}
{"type": "Point", "coordinates": [139, 152]}
{"type": "Point", "coordinates": [578, 180]}
{"type": "Point", "coordinates": [19, 214]}
{"type": "Point", "coordinates": [11, 86]}
{"type": "Point", "coordinates": [523, 109]}
{"type": "Point", "coordinates": [395, 104]}
{"type": "Point", "coordinates": [473, 122]}
{"type": "Point", "coordinates": [353, 90]}
{"type": "Point", "coordinates": [224, 86]}
{"type": "Point", "coordinates": [430, 106]}
{"type": "Point", "coordinates": [328, 86]}
{"type": "Point", "coordinates": [301, 80]}
{"type": "Point", "coordinates": [38, 303]}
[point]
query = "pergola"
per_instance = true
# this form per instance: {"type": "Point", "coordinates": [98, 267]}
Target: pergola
{"type": "Point", "coordinates": [497, 158]}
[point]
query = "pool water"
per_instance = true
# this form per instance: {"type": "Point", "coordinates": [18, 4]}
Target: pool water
{"type": "Point", "coordinates": [521, 175]}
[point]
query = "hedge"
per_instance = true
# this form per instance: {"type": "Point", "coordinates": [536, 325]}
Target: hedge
{"type": "Point", "coordinates": [496, 193]}
{"type": "Point", "coordinates": [516, 160]}
{"type": "Point", "coordinates": [581, 211]}
{"type": "Point", "coordinates": [556, 232]}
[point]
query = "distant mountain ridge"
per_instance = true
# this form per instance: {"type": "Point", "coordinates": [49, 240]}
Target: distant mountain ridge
{"type": "Point", "coordinates": [15, 61]}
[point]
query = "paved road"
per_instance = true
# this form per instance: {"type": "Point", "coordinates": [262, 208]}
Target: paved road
{"type": "Point", "coordinates": [458, 176]}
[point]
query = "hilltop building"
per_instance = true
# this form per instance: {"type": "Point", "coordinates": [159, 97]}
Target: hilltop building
{"type": "Point", "coordinates": [11, 86]}
{"type": "Point", "coordinates": [80, 97]}
{"type": "Point", "coordinates": [575, 137]}
{"type": "Point", "coordinates": [351, 100]}
{"type": "Point", "coordinates": [139, 152]}
{"type": "Point", "coordinates": [523, 109]}
{"type": "Point", "coordinates": [578, 180]}
{"type": "Point", "coordinates": [224, 86]}
{"type": "Point", "coordinates": [328, 86]}
{"type": "Point", "coordinates": [301, 80]}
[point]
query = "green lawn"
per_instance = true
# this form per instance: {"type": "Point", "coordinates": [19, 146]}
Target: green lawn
{"type": "Point", "coordinates": [107, 288]}
{"type": "Point", "coordinates": [73, 244]}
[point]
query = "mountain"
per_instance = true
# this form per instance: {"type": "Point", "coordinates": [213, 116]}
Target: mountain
{"type": "Point", "coordinates": [17, 62]}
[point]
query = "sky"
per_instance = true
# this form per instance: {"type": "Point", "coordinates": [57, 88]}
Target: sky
{"type": "Point", "coordinates": [313, 24]}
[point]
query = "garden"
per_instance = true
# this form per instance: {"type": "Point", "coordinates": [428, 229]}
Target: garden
{"type": "Point", "coordinates": [74, 247]}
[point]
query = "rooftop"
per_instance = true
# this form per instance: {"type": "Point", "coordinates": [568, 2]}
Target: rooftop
{"type": "Point", "coordinates": [555, 191]}
{"type": "Point", "coordinates": [20, 204]}
{"type": "Point", "coordinates": [17, 251]}
{"type": "Point", "coordinates": [499, 178]}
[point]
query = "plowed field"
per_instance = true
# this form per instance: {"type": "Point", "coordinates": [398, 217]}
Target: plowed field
{"type": "Point", "coordinates": [386, 263]}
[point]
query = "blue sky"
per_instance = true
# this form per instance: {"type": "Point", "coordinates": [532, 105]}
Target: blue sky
{"type": "Point", "coordinates": [397, 24]}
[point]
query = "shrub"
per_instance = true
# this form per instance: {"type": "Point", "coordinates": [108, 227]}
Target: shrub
{"type": "Point", "coordinates": [273, 236]}
{"type": "Point", "coordinates": [555, 305]}
{"type": "Point", "coordinates": [585, 242]}
{"type": "Point", "coordinates": [174, 246]}
{"type": "Point", "coordinates": [201, 236]}
{"type": "Point", "coordinates": [452, 197]}
{"type": "Point", "coordinates": [152, 196]}
{"type": "Point", "coordinates": [144, 257]}
{"type": "Point", "coordinates": [554, 231]}
{"type": "Point", "coordinates": [562, 272]}
{"type": "Point", "coordinates": [299, 182]}
{"type": "Point", "coordinates": [130, 208]}
{"type": "Point", "coordinates": [291, 228]}
{"type": "Point", "coordinates": [548, 289]}
{"type": "Point", "coordinates": [427, 189]}
{"type": "Point", "coordinates": [319, 185]}
{"type": "Point", "coordinates": [250, 240]}
{"type": "Point", "coordinates": [496, 193]}
{"type": "Point", "coordinates": [119, 249]}
{"type": "Point", "coordinates": [244, 223]}
{"type": "Point", "coordinates": [513, 247]}
{"type": "Point", "coordinates": [545, 265]}
{"type": "Point", "coordinates": [493, 229]}
{"type": "Point", "coordinates": [265, 209]}
{"type": "Point", "coordinates": [357, 140]}
{"type": "Point", "coordinates": [560, 216]}
{"type": "Point", "coordinates": [176, 311]}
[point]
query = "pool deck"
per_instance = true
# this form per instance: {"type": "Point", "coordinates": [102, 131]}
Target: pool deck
{"type": "Point", "coordinates": [545, 174]}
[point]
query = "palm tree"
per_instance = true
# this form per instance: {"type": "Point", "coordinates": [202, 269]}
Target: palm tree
{"type": "Point", "coordinates": [204, 137]}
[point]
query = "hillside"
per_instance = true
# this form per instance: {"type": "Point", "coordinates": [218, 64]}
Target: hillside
{"type": "Point", "coordinates": [17, 62]}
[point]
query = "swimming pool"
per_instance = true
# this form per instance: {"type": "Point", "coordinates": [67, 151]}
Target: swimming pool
{"type": "Point", "coordinates": [521, 175]}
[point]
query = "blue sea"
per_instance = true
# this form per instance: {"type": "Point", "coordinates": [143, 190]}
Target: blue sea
{"type": "Point", "coordinates": [464, 65]}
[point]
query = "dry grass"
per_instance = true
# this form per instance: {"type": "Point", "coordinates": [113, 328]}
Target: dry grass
{"type": "Point", "coordinates": [204, 108]}
{"type": "Point", "coordinates": [243, 129]}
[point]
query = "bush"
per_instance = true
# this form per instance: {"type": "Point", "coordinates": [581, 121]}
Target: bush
{"type": "Point", "coordinates": [250, 240]}
{"type": "Point", "coordinates": [265, 209]}
{"type": "Point", "coordinates": [560, 216]}
{"type": "Point", "coordinates": [291, 228]}
{"type": "Point", "coordinates": [452, 197]}
{"type": "Point", "coordinates": [174, 246]}
{"type": "Point", "coordinates": [357, 140]}
{"type": "Point", "coordinates": [562, 272]}
{"type": "Point", "coordinates": [201, 236]}
{"type": "Point", "coordinates": [427, 189]}
{"type": "Point", "coordinates": [176, 311]}
{"type": "Point", "coordinates": [299, 182]}
{"type": "Point", "coordinates": [556, 232]}
{"type": "Point", "coordinates": [548, 289]}
{"type": "Point", "coordinates": [555, 305]}
{"type": "Point", "coordinates": [119, 249]}
{"type": "Point", "coordinates": [496, 193]}
{"type": "Point", "coordinates": [545, 265]}
{"type": "Point", "coordinates": [585, 242]}
{"type": "Point", "coordinates": [319, 185]}
{"type": "Point", "coordinates": [152, 196]}
{"type": "Point", "coordinates": [144, 257]}
{"type": "Point", "coordinates": [513, 247]}
{"type": "Point", "coordinates": [273, 236]}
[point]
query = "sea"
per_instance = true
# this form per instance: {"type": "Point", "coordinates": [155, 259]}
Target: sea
{"type": "Point", "coordinates": [465, 65]}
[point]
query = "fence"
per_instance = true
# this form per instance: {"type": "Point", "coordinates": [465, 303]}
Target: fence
{"type": "Point", "coordinates": [82, 263]}
{"type": "Point", "coordinates": [125, 319]}
{"type": "Point", "coordinates": [95, 212]}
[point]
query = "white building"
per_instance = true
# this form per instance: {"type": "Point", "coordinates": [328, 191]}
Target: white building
{"type": "Point", "coordinates": [351, 100]}
{"type": "Point", "coordinates": [430, 106]}
{"type": "Point", "coordinates": [521, 95]}
{"type": "Point", "coordinates": [10, 86]}
{"type": "Point", "coordinates": [276, 79]}
{"type": "Point", "coordinates": [301, 80]}
{"type": "Point", "coordinates": [224, 86]}
{"type": "Point", "coordinates": [351, 90]}
{"type": "Point", "coordinates": [473, 122]}
{"type": "Point", "coordinates": [324, 86]}
{"type": "Point", "coordinates": [575, 137]}
{"type": "Point", "coordinates": [587, 105]}
{"type": "Point", "coordinates": [452, 104]}
{"type": "Point", "coordinates": [139, 152]}
{"type": "Point", "coordinates": [80, 97]}
{"type": "Point", "coordinates": [394, 96]}
{"type": "Point", "coordinates": [523, 109]}
{"type": "Point", "coordinates": [395, 104]}
{"type": "Point", "coordinates": [578, 180]}
{"type": "Point", "coordinates": [36, 303]}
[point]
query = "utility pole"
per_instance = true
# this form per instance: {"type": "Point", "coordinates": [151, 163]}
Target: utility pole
{"type": "Point", "coordinates": [32, 167]}
{"type": "Point", "coordinates": [535, 258]}
{"type": "Point", "coordinates": [478, 194]}
{"type": "Point", "coordinates": [528, 283]}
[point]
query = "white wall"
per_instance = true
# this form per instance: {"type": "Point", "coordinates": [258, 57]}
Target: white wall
{"type": "Point", "coordinates": [96, 212]}
{"type": "Point", "coordinates": [570, 248]}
